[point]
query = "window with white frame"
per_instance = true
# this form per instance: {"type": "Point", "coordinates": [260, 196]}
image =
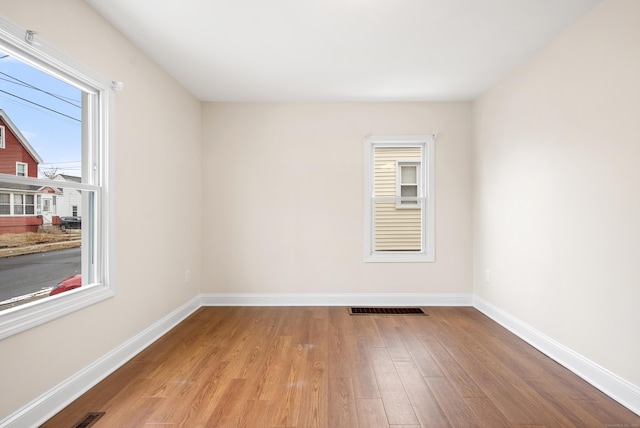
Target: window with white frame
{"type": "Point", "coordinates": [2, 137]}
{"type": "Point", "coordinates": [407, 184]}
{"type": "Point", "coordinates": [18, 204]}
{"type": "Point", "coordinates": [5, 203]}
{"type": "Point", "coordinates": [22, 169]}
{"type": "Point", "coordinates": [399, 198]}
{"type": "Point", "coordinates": [23, 204]}
{"type": "Point", "coordinates": [83, 111]}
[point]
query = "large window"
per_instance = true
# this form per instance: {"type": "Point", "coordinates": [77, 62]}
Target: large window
{"type": "Point", "coordinates": [399, 199]}
{"type": "Point", "coordinates": [22, 204]}
{"type": "Point", "coordinates": [55, 126]}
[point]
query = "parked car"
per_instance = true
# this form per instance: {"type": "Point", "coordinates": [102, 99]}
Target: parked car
{"type": "Point", "coordinates": [74, 281]}
{"type": "Point", "coordinates": [70, 222]}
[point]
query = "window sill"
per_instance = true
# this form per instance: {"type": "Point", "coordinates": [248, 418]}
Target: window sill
{"type": "Point", "coordinates": [24, 317]}
{"type": "Point", "coordinates": [400, 258]}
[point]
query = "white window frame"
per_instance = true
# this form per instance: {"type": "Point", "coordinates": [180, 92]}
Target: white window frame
{"type": "Point", "coordinates": [25, 167]}
{"type": "Point", "coordinates": [98, 181]}
{"type": "Point", "coordinates": [8, 204]}
{"type": "Point", "coordinates": [16, 197]}
{"type": "Point", "coordinates": [426, 197]}
{"type": "Point", "coordinates": [399, 201]}
{"type": "Point", "coordinates": [2, 133]}
{"type": "Point", "coordinates": [25, 205]}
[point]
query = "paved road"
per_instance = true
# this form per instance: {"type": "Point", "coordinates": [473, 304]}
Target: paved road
{"type": "Point", "coordinates": [21, 275]}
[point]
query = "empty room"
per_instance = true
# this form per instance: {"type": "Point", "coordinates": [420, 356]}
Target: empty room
{"type": "Point", "coordinates": [414, 213]}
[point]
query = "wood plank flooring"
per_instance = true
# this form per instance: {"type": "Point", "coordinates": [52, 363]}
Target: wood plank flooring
{"type": "Point", "coordinates": [321, 367]}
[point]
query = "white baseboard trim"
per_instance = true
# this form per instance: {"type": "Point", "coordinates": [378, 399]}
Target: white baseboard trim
{"type": "Point", "coordinates": [615, 387]}
{"type": "Point", "coordinates": [342, 299]}
{"type": "Point", "coordinates": [44, 407]}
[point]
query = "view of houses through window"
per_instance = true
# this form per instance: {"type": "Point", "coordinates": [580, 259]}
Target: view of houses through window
{"type": "Point", "coordinates": [397, 209]}
{"type": "Point", "coordinates": [41, 222]}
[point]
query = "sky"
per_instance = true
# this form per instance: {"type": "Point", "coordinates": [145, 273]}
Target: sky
{"type": "Point", "coordinates": [47, 112]}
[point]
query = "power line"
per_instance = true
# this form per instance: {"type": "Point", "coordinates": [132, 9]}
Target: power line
{"type": "Point", "coordinates": [11, 81]}
{"type": "Point", "coordinates": [28, 85]}
{"type": "Point", "coordinates": [19, 103]}
{"type": "Point", "coordinates": [56, 163]}
{"type": "Point", "coordinates": [40, 105]}
{"type": "Point", "coordinates": [19, 82]}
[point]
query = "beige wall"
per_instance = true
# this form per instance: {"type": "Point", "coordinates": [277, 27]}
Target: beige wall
{"type": "Point", "coordinates": [158, 175]}
{"type": "Point", "coordinates": [284, 202]}
{"type": "Point", "coordinates": [557, 206]}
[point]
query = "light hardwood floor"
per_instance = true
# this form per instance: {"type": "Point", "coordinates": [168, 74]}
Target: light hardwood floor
{"type": "Point", "coordinates": [321, 367]}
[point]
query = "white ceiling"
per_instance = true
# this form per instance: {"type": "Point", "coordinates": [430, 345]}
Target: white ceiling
{"type": "Point", "coordinates": [339, 50]}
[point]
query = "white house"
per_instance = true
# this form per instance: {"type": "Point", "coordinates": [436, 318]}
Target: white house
{"type": "Point", "coordinates": [69, 201]}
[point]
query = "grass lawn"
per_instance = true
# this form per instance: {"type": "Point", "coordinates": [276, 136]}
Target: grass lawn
{"type": "Point", "coordinates": [16, 240]}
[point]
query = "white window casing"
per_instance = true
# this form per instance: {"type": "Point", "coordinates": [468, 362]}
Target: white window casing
{"type": "Point", "coordinates": [22, 169]}
{"type": "Point", "coordinates": [98, 243]}
{"type": "Point", "coordinates": [408, 184]}
{"type": "Point", "coordinates": [2, 132]}
{"type": "Point", "coordinates": [5, 204]}
{"type": "Point", "coordinates": [399, 198]}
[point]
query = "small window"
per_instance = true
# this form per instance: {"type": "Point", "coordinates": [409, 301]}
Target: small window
{"type": "Point", "coordinates": [29, 205]}
{"type": "Point", "coordinates": [22, 169]}
{"type": "Point", "coordinates": [18, 204]}
{"type": "Point", "coordinates": [74, 210]}
{"type": "Point", "coordinates": [1, 137]}
{"type": "Point", "coordinates": [407, 184]}
{"type": "Point", "coordinates": [399, 201]}
{"type": "Point", "coordinates": [5, 204]}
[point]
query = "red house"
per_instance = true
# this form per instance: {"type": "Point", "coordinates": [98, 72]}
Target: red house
{"type": "Point", "coordinates": [18, 202]}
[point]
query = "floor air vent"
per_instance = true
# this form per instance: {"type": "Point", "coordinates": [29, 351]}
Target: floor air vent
{"type": "Point", "coordinates": [386, 311]}
{"type": "Point", "coordinates": [89, 419]}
